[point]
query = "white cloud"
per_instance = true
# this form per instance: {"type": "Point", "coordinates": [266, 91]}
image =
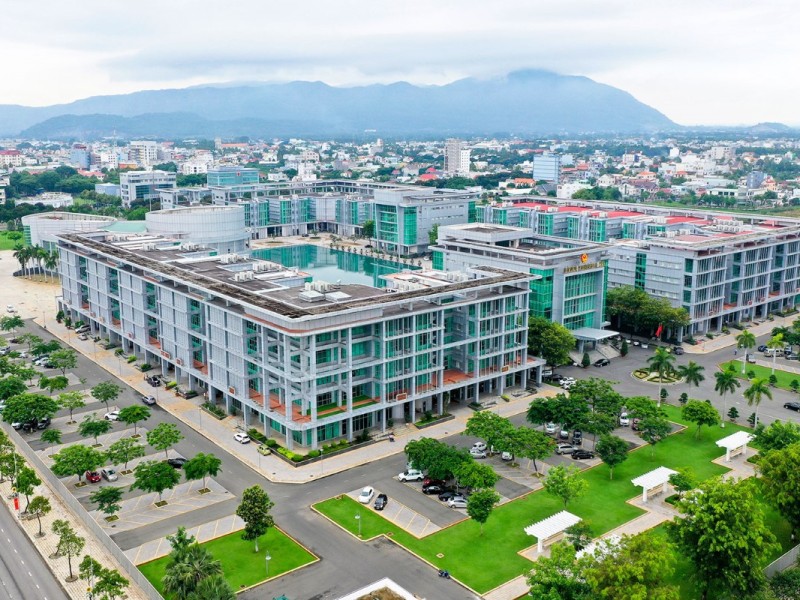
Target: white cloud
{"type": "Point", "coordinates": [717, 61]}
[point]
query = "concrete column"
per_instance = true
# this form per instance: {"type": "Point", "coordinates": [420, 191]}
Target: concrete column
{"type": "Point", "coordinates": [644, 495]}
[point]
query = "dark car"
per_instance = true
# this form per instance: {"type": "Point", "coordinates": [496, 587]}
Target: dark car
{"type": "Point", "coordinates": [602, 362]}
{"type": "Point", "coordinates": [381, 501]}
{"type": "Point", "coordinates": [153, 380]}
{"type": "Point", "coordinates": [582, 455]}
{"type": "Point", "coordinates": [176, 463]}
{"type": "Point", "coordinates": [433, 488]}
{"type": "Point", "coordinates": [762, 348]}
{"type": "Point", "coordinates": [446, 495]}
{"type": "Point", "coordinates": [677, 350]}
{"type": "Point", "coordinates": [792, 406]}
{"type": "Point", "coordinates": [577, 437]}
{"type": "Point", "coordinates": [92, 476]}
{"type": "Point", "coordinates": [29, 426]}
{"type": "Point", "coordinates": [429, 481]}
{"type": "Point", "coordinates": [43, 423]}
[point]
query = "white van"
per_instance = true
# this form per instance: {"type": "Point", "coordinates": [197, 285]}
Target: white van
{"type": "Point", "coordinates": [770, 352]}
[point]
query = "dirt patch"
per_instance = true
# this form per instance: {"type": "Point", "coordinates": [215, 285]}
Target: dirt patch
{"type": "Point", "coordinates": [381, 594]}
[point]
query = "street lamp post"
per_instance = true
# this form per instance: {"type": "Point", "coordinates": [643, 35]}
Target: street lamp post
{"type": "Point", "coordinates": [358, 520]}
{"type": "Point", "coordinates": [267, 558]}
{"type": "Point", "coordinates": [744, 359]}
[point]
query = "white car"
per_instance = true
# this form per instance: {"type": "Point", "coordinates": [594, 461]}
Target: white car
{"type": "Point", "coordinates": [411, 475]}
{"type": "Point", "coordinates": [109, 474]}
{"type": "Point", "coordinates": [477, 453]}
{"type": "Point", "coordinates": [457, 502]}
{"type": "Point", "coordinates": [506, 456]}
{"type": "Point", "coordinates": [10, 308]}
{"type": "Point", "coordinates": [365, 497]}
{"type": "Point", "coordinates": [479, 446]}
{"type": "Point", "coordinates": [242, 438]}
{"type": "Point", "coordinates": [565, 449]}
{"type": "Point", "coordinates": [112, 416]}
{"type": "Point", "coordinates": [550, 427]}
{"type": "Point", "coordinates": [624, 420]}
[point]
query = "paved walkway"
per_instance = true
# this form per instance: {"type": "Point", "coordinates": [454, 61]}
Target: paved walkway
{"type": "Point", "coordinates": [207, 531]}
{"type": "Point", "coordinates": [760, 328]}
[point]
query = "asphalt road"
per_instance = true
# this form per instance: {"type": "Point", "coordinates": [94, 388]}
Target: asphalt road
{"type": "Point", "coordinates": [24, 574]}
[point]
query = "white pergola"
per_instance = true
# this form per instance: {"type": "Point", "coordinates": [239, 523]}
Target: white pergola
{"type": "Point", "coordinates": [551, 527]}
{"type": "Point", "coordinates": [651, 480]}
{"type": "Point", "coordinates": [735, 443]}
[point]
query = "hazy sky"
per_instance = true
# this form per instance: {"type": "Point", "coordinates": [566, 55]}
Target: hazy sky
{"type": "Point", "coordinates": [699, 62]}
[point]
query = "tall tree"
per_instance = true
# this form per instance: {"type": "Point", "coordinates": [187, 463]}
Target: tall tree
{"type": "Point", "coordinates": [11, 386]}
{"type": "Point", "coordinates": [440, 460]}
{"type": "Point", "coordinates": [64, 359]}
{"type": "Point", "coordinates": [185, 573]}
{"type": "Point", "coordinates": [202, 466]}
{"type": "Point", "coordinates": [480, 506]}
{"type": "Point", "coordinates": [25, 408]}
{"type": "Point", "coordinates": [653, 430]}
{"type": "Point", "coordinates": [39, 507]}
{"type": "Point", "coordinates": [692, 373]}
{"type": "Point", "coordinates": [780, 473]}
{"type": "Point", "coordinates": [542, 410]}
{"type": "Point", "coordinates": [105, 392]}
{"type": "Point", "coordinates": [164, 436]}
{"type": "Point", "coordinates": [701, 413]}
{"type": "Point", "coordinates": [489, 426]}
{"type": "Point", "coordinates": [777, 436]}
{"type": "Point", "coordinates": [53, 384]}
{"type": "Point", "coordinates": [179, 542]}
{"type": "Point", "coordinates": [534, 445]}
{"type": "Point", "coordinates": [124, 450]}
{"type": "Point", "coordinates": [632, 568]}
{"type": "Point", "coordinates": [92, 427]}
{"type": "Point", "coordinates": [475, 475]}
{"type": "Point", "coordinates": [559, 576]}
{"type": "Point", "coordinates": [550, 340]}
{"type": "Point", "coordinates": [110, 586]}
{"type": "Point", "coordinates": [76, 460]}
{"type": "Point", "coordinates": [662, 362]}
{"type": "Point", "coordinates": [134, 414]}
{"type": "Point", "coordinates": [70, 544]}
{"type": "Point", "coordinates": [746, 341]}
{"type": "Point", "coordinates": [722, 533]}
{"type": "Point", "coordinates": [775, 343]}
{"type": "Point", "coordinates": [565, 483]}
{"type": "Point", "coordinates": [726, 383]}
{"type": "Point", "coordinates": [613, 451]}
{"type": "Point", "coordinates": [213, 587]}
{"type": "Point", "coordinates": [71, 401]}
{"type": "Point", "coordinates": [758, 390]}
{"type": "Point", "coordinates": [254, 511]}
{"type": "Point", "coordinates": [107, 499]}
{"type": "Point", "coordinates": [155, 476]}
{"type": "Point", "coordinates": [26, 483]}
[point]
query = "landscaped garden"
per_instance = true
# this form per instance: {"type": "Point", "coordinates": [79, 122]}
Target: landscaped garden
{"type": "Point", "coordinates": [242, 566]}
{"type": "Point", "coordinates": [784, 378]}
{"type": "Point", "coordinates": [604, 507]}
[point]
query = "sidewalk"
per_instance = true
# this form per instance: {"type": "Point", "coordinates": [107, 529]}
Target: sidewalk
{"type": "Point", "coordinates": [704, 345]}
{"type": "Point", "coordinates": [272, 467]}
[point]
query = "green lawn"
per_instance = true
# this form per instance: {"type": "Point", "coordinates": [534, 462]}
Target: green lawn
{"type": "Point", "coordinates": [784, 377]}
{"type": "Point", "coordinates": [484, 562]}
{"type": "Point", "coordinates": [8, 244]}
{"type": "Point", "coordinates": [242, 566]}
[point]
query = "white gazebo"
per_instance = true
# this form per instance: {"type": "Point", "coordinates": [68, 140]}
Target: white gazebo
{"type": "Point", "coordinates": [551, 528]}
{"type": "Point", "coordinates": [735, 443]}
{"type": "Point", "coordinates": [652, 480]}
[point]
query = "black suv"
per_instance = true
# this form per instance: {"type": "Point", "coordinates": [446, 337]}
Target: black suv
{"type": "Point", "coordinates": [577, 438]}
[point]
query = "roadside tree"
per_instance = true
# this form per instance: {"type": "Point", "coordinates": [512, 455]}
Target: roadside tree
{"type": "Point", "coordinates": [692, 373]}
{"type": "Point", "coordinates": [202, 466]}
{"type": "Point", "coordinates": [542, 410]}
{"type": "Point", "coordinates": [26, 483]}
{"type": "Point", "coordinates": [39, 507]}
{"type": "Point", "coordinates": [254, 511]}
{"type": "Point", "coordinates": [107, 498]}
{"type": "Point", "coordinates": [747, 341]}
{"type": "Point", "coordinates": [91, 427]}
{"type": "Point", "coordinates": [64, 359]}
{"type": "Point", "coordinates": [111, 585]}
{"type": "Point", "coordinates": [726, 383]}
{"type": "Point", "coordinates": [71, 401]}
{"type": "Point", "coordinates": [758, 390]}
{"type": "Point", "coordinates": [105, 392]}
{"type": "Point", "coordinates": [51, 436]}
{"type": "Point", "coordinates": [489, 426]}
{"type": "Point", "coordinates": [164, 436]}
{"type": "Point", "coordinates": [524, 442]}
{"type": "Point", "coordinates": [134, 414]}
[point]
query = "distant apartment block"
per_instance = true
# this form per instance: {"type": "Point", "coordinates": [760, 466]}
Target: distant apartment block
{"type": "Point", "coordinates": [231, 176]}
{"type": "Point", "coordinates": [11, 158]}
{"type": "Point", "coordinates": [456, 158]}
{"type": "Point", "coordinates": [144, 185]}
{"type": "Point", "coordinates": [547, 167]}
{"type": "Point", "coordinates": [143, 152]}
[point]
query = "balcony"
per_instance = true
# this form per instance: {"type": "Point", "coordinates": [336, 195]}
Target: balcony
{"type": "Point", "coordinates": [200, 366]}
{"type": "Point", "coordinates": [153, 342]}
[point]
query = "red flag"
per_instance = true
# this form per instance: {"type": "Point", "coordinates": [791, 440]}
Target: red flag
{"type": "Point", "coordinates": [659, 330]}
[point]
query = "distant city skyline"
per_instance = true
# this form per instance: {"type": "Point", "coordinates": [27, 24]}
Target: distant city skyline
{"type": "Point", "coordinates": [725, 62]}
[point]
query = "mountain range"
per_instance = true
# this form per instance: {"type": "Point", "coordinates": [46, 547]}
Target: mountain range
{"type": "Point", "coordinates": [522, 102]}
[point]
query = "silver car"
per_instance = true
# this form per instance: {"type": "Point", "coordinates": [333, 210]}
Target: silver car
{"type": "Point", "coordinates": [109, 474]}
{"type": "Point", "coordinates": [457, 502]}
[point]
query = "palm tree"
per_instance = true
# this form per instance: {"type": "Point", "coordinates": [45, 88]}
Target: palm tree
{"type": "Point", "coordinates": [23, 255]}
{"type": "Point", "coordinates": [215, 587]}
{"type": "Point", "coordinates": [774, 344]}
{"type": "Point", "coordinates": [51, 262]}
{"type": "Point", "coordinates": [183, 575]}
{"type": "Point", "coordinates": [692, 373]}
{"type": "Point", "coordinates": [727, 382]}
{"type": "Point", "coordinates": [661, 361]}
{"type": "Point", "coordinates": [759, 387]}
{"type": "Point", "coordinates": [745, 340]}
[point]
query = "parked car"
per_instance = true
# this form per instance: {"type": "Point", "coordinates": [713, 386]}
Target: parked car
{"type": "Point", "coordinates": [264, 450]}
{"type": "Point", "coordinates": [411, 475]}
{"type": "Point", "coordinates": [433, 488]}
{"type": "Point", "coordinates": [563, 433]}
{"type": "Point", "coordinates": [602, 362]}
{"type": "Point", "coordinates": [83, 337]}
{"type": "Point", "coordinates": [577, 437]}
{"type": "Point", "coordinates": [109, 474]}
{"type": "Point", "coordinates": [83, 329]}
{"type": "Point", "coordinates": [10, 308]}
{"type": "Point", "coordinates": [149, 400]}
{"type": "Point", "coordinates": [550, 427]}
{"type": "Point", "coordinates": [479, 446]}
{"type": "Point", "coordinates": [624, 420]}
{"type": "Point", "coordinates": [446, 495]}
{"type": "Point", "coordinates": [92, 476]}
{"type": "Point", "coordinates": [29, 426]}
{"type": "Point", "coordinates": [762, 348]}
{"type": "Point", "coordinates": [429, 481]}
{"type": "Point", "coordinates": [381, 501]}
{"type": "Point", "coordinates": [507, 456]}
{"type": "Point", "coordinates": [677, 350]}
{"type": "Point", "coordinates": [457, 502]}
{"type": "Point", "coordinates": [582, 455]}
{"type": "Point", "coordinates": [177, 463]}
{"type": "Point", "coordinates": [153, 380]}
{"type": "Point", "coordinates": [792, 406]}
{"type": "Point", "coordinates": [112, 416]}
{"type": "Point", "coordinates": [43, 423]}
{"type": "Point", "coordinates": [751, 358]}
{"type": "Point", "coordinates": [365, 497]}
{"type": "Point", "coordinates": [565, 449]}
{"type": "Point", "coordinates": [635, 424]}
{"type": "Point", "coordinates": [242, 438]}
{"type": "Point", "coordinates": [477, 453]}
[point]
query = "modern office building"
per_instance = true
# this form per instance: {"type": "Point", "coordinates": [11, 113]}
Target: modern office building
{"type": "Point", "coordinates": [547, 167]}
{"type": "Point", "coordinates": [569, 277]}
{"type": "Point", "coordinates": [456, 158]}
{"type": "Point", "coordinates": [231, 176]}
{"type": "Point", "coordinates": [144, 185]}
{"type": "Point", "coordinates": [220, 228]}
{"type": "Point", "coordinates": [42, 229]}
{"type": "Point", "coordinates": [305, 361]}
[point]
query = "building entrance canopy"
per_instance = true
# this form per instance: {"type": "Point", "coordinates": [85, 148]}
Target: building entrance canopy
{"type": "Point", "coordinates": [591, 334]}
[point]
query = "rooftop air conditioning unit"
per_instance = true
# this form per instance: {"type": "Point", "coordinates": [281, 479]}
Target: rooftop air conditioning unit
{"type": "Point", "coordinates": [552, 209]}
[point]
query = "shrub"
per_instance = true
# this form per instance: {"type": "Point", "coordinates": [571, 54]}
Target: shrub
{"type": "Point", "coordinates": [314, 454]}
{"type": "Point", "coordinates": [171, 385]}
{"type": "Point", "coordinates": [586, 361]}
{"type": "Point", "coordinates": [190, 394]}
{"type": "Point", "coordinates": [751, 374]}
{"type": "Point", "coordinates": [506, 397]}
{"type": "Point", "coordinates": [623, 351]}
{"type": "Point", "coordinates": [795, 385]}
{"type": "Point", "coordinates": [710, 335]}
{"type": "Point", "coordinates": [733, 414]}
{"type": "Point", "coordinates": [271, 443]}
{"type": "Point", "coordinates": [145, 367]}
{"type": "Point", "coordinates": [257, 435]}
{"type": "Point", "coordinates": [684, 398]}
{"type": "Point", "coordinates": [131, 359]}
{"type": "Point", "coordinates": [773, 380]}
{"type": "Point", "coordinates": [214, 410]}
